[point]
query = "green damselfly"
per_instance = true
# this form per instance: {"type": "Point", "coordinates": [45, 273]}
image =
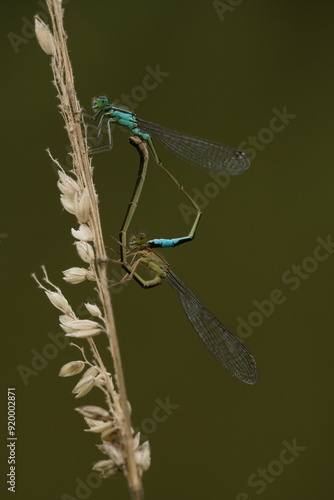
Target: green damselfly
{"type": "Point", "coordinates": [227, 349]}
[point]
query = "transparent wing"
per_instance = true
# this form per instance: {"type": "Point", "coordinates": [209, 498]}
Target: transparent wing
{"type": "Point", "coordinates": [223, 345]}
{"type": "Point", "coordinates": [207, 155]}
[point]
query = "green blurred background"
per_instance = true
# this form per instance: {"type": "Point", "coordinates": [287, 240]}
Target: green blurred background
{"type": "Point", "coordinates": [227, 68]}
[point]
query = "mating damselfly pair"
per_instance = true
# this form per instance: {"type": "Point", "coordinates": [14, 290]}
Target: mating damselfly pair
{"type": "Point", "coordinates": [210, 156]}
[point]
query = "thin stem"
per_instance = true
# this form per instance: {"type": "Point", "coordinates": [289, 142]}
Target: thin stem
{"type": "Point", "coordinates": [71, 112]}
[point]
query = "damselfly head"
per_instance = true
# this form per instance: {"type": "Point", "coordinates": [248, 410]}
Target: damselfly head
{"type": "Point", "coordinates": [100, 102]}
{"type": "Point", "coordinates": [138, 241]}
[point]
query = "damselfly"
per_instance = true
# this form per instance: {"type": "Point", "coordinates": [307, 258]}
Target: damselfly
{"type": "Point", "coordinates": [227, 349]}
{"type": "Point", "coordinates": [208, 155]}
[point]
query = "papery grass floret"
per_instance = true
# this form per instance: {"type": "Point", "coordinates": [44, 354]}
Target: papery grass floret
{"type": "Point", "coordinates": [44, 37]}
{"type": "Point", "coordinates": [93, 309]}
{"type": "Point", "coordinates": [75, 275]}
{"type": "Point", "coordinates": [85, 251]}
{"type": "Point", "coordinates": [83, 387]}
{"type": "Point", "coordinates": [72, 368]}
{"type": "Point", "coordinates": [94, 412]}
{"type": "Point", "coordinates": [84, 233]}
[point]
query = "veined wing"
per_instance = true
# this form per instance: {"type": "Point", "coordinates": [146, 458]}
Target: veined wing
{"type": "Point", "coordinates": [207, 155]}
{"type": "Point", "coordinates": [224, 346]}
